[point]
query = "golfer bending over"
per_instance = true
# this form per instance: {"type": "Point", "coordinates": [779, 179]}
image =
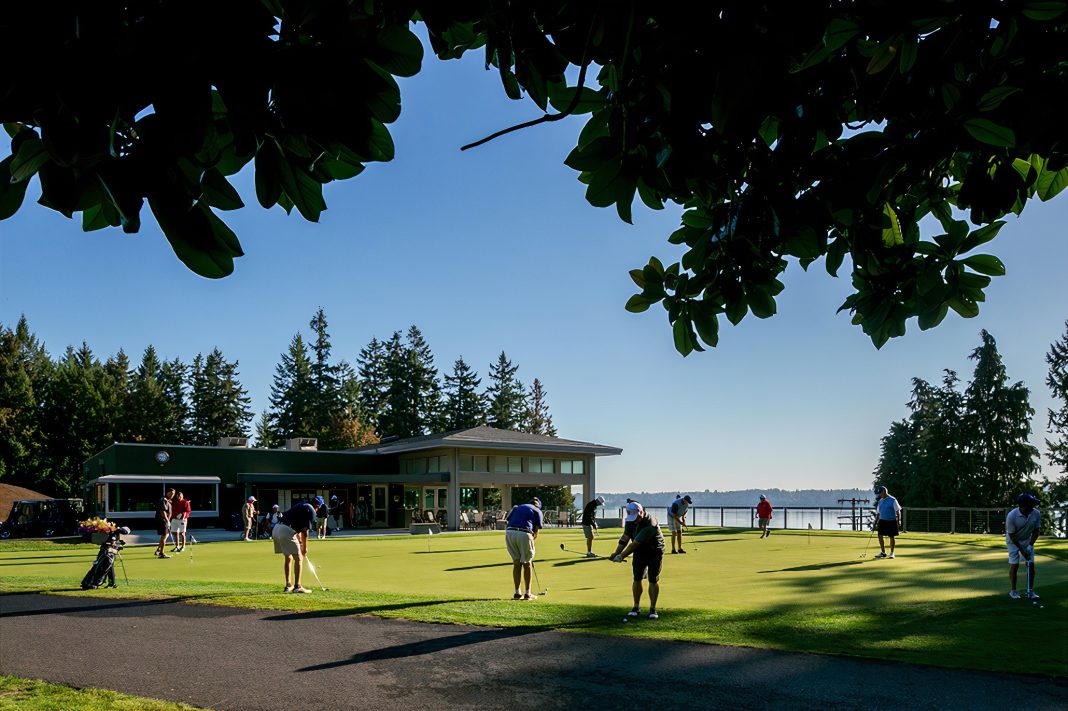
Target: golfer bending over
{"type": "Point", "coordinates": [1022, 526]}
{"type": "Point", "coordinates": [589, 524]}
{"type": "Point", "coordinates": [524, 522]}
{"type": "Point", "coordinates": [290, 537]}
{"type": "Point", "coordinates": [677, 521]}
{"type": "Point", "coordinates": [630, 524]}
{"type": "Point", "coordinates": [648, 550]}
{"type": "Point", "coordinates": [889, 520]}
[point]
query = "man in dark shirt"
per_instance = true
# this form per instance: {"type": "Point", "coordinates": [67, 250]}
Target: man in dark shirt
{"type": "Point", "coordinates": [290, 537]}
{"type": "Point", "coordinates": [589, 524]}
{"type": "Point", "coordinates": [163, 521]}
{"type": "Point", "coordinates": [648, 549]}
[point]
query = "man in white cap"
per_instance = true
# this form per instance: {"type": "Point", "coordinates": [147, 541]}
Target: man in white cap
{"type": "Point", "coordinates": [631, 513]}
{"type": "Point", "coordinates": [589, 524]}
{"type": "Point", "coordinates": [648, 549]}
{"type": "Point", "coordinates": [677, 521]}
{"type": "Point", "coordinates": [1022, 526]}
{"type": "Point", "coordinates": [249, 515]}
{"type": "Point", "coordinates": [524, 522]}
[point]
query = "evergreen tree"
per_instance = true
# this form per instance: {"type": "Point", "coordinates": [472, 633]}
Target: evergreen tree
{"type": "Point", "coordinates": [429, 404]}
{"type": "Point", "coordinates": [148, 414]}
{"type": "Point", "coordinates": [505, 395]}
{"type": "Point", "coordinates": [373, 376]}
{"type": "Point", "coordinates": [324, 380]}
{"type": "Point", "coordinates": [537, 419]}
{"type": "Point", "coordinates": [997, 423]}
{"type": "Point", "coordinates": [219, 404]}
{"type": "Point", "coordinates": [18, 408]}
{"type": "Point", "coordinates": [1057, 448]}
{"type": "Point", "coordinates": [401, 417]}
{"type": "Point", "coordinates": [173, 375]}
{"type": "Point", "coordinates": [464, 406]}
{"type": "Point", "coordinates": [263, 432]}
{"type": "Point", "coordinates": [293, 395]}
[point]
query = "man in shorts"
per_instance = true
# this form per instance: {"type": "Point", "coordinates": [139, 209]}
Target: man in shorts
{"type": "Point", "coordinates": [524, 522]}
{"type": "Point", "coordinates": [249, 514]}
{"type": "Point", "coordinates": [631, 513]}
{"type": "Point", "coordinates": [763, 513]}
{"type": "Point", "coordinates": [889, 524]}
{"type": "Point", "coordinates": [290, 538]}
{"type": "Point", "coordinates": [180, 510]}
{"type": "Point", "coordinates": [677, 520]}
{"type": "Point", "coordinates": [1022, 526]}
{"type": "Point", "coordinates": [648, 550]}
{"type": "Point", "coordinates": [589, 524]}
{"type": "Point", "coordinates": [163, 521]}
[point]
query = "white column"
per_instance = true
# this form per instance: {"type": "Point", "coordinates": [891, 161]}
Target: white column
{"type": "Point", "coordinates": [589, 481]}
{"type": "Point", "coordinates": [454, 491]}
{"type": "Point", "coordinates": [506, 498]}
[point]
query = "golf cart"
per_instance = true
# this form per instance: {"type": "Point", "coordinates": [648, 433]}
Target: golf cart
{"type": "Point", "coordinates": [42, 517]}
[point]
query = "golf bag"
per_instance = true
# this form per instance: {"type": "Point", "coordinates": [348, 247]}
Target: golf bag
{"type": "Point", "coordinates": [103, 569]}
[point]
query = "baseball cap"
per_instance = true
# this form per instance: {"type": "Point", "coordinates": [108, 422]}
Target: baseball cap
{"type": "Point", "coordinates": [687, 499]}
{"type": "Point", "coordinates": [1026, 499]}
{"type": "Point", "coordinates": [251, 498]}
{"type": "Point", "coordinates": [634, 510]}
{"type": "Point", "coordinates": [124, 530]}
{"type": "Point", "coordinates": [763, 498]}
{"type": "Point", "coordinates": [600, 500]}
{"type": "Point", "coordinates": [334, 497]}
{"type": "Point", "coordinates": [880, 490]}
{"type": "Point", "coordinates": [276, 507]}
{"type": "Point", "coordinates": [320, 500]}
{"type": "Point", "coordinates": [536, 502]}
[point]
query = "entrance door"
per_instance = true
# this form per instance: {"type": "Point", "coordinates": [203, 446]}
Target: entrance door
{"type": "Point", "coordinates": [379, 504]}
{"type": "Point", "coordinates": [435, 499]}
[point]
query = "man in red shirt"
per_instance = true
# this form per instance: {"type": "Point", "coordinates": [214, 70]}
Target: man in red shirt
{"type": "Point", "coordinates": [764, 516]}
{"type": "Point", "coordinates": [180, 510]}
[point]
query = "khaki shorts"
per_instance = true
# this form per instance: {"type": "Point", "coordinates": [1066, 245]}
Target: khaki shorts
{"type": "Point", "coordinates": [520, 545]}
{"type": "Point", "coordinates": [178, 525]}
{"type": "Point", "coordinates": [590, 532]}
{"type": "Point", "coordinates": [764, 522]}
{"type": "Point", "coordinates": [672, 526]}
{"type": "Point", "coordinates": [285, 540]}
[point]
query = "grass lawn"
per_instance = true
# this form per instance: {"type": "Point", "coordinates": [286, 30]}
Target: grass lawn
{"type": "Point", "coordinates": [22, 694]}
{"type": "Point", "coordinates": [943, 601]}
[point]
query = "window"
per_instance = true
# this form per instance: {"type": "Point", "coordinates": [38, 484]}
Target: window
{"type": "Point", "coordinates": [437, 464]}
{"type": "Point", "coordinates": [542, 465]}
{"type": "Point", "coordinates": [470, 463]}
{"type": "Point", "coordinates": [133, 496]}
{"type": "Point", "coordinates": [468, 498]}
{"type": "Point", "coordinates": [571, 466]}
{"type": "Point", "coordinates": [202, 497]}
{"type": "Point", "coordinates": [411, 497]}
{"type": "Point", "coordinates": [507, 464]}
{"type": "Point", "coordinates": [415, 466]}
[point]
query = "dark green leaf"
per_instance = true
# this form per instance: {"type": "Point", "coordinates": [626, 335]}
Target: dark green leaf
{"type": "Point", "coordinates": [638, 277]}
{"type": "Point", "coordinates": [930, 319]}
{"type": "Point", "coordinates": [1041, 10]}
{"type": "Point", "coordinates": [736, 309]}
{"type": "Point", "coordinates": [705, 322]}
{"type": "Point", "coordinates": [760, 301]}
{"type": "Point", "coordinates": [993, 98]}
{"type": "Point", "coordinates": [305, 192]}
{"type": "Point", "coordinates": [11, 194]}
{"type": "Point", "coordinates": [964, 306]}
{"type": "Point", "coordinates": [990, 133]}
{"type": "Point", "coordinates": [985, 264]}
{"type": "Point", "coordinates": [981, 236]}
{"type": "Point", "coordinates": [31, 155]}
{"type": "Point", "coordinates": [218, 192]}
{"type": "Point", "coordinates": [268, 174]}
{"type": "Point", "coordinates": [381, 142]}
{"type": "Point", "coordinates": [637, 304]}
{"type": "Point", "coordinates": [683, 339]}
{"type": "Point", "coordinates": [1050, 183]}
{"type": "Point", "coordinates": [398, 51]}
{"type": "Point", "coordinates": [561, 96]}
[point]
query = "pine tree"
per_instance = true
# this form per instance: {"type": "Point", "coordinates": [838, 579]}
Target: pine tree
{"type": "Point", "coordinates": [219, 404]}
{"type": "Point", "coordinates": [373, 382]}
{"type": "Point", "coordinates": [18, 406]}
{"type": "Point", "coordinates": [997, 424]}
{"type": "Point", "coordinates": [148, 414]}
{"type": "Point", "coordinates": [505, 395]}
{"type": "Point", "coordinates": [1057, 448]}
{"type": "Point", "coordinates": [402, 417]}
{"type": "Point", "coordinates": [293, 395]}
{"type": "Point", "coordinates": [537, 419]}
{"type": "Point", "coordinates": [173, 375]}
{"type": "Point", "coordinates": [264, 431]}
{"type": "Point", "coordinates": [464, 406]}
{"type": "Point", "coordinates": [429, 404]}
{"type": "Point", "coordinates": [324, 380]}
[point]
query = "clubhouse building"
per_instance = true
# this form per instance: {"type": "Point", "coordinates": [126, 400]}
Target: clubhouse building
{"type": "Point", "coordinates": [388, 484]}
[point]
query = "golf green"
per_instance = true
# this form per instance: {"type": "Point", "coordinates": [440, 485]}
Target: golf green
{"type": "Point", "coordinates": [943, 600]}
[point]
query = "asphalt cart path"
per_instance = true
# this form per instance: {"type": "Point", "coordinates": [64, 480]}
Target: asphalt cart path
{"type": "Point", "coordinates": [230, 659]}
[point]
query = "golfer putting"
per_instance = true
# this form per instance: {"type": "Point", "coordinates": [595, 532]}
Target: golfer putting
{"type": "Point", "coordinates": [589, 524]}
{"type": "Point", "coordinates": [290, 537]}
{"type": "Point", "coordinates": [677, 521]}
{"type": "Point", "coordinates": [1022, 526]}
{"type": "Point", "coordinates": [524, 523]}
{"type": "Point", "coordinates": [648, 550]}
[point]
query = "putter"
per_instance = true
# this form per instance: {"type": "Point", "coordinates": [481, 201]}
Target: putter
{"type": "Point", "coordinates": [123, 570]}
{"type": "Point", "coordinates": [544, 591]}
{"type": "Point", "coordinates": [1030, 574]}
{"type": "Point", "coordinates": [571, 551]}
{"type": "Point", "coordinates": [870, 536]}
{"type": "Point", "coordinates": [311, 567]}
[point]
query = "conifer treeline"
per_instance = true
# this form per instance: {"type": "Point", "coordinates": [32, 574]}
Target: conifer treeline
{"type": "Point", "coordinates": [55, 413]}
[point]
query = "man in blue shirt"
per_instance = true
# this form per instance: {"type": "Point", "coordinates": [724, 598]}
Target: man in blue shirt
{"type": "Point", "coordinates": [524, 522]}
{"type": "Point", "coordinates": [889, 519]}
{"type": "Point", "coordinates": [290, 537]}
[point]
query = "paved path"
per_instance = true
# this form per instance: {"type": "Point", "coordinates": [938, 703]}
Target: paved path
{"type": "Point", "coordinates": [224, 658]}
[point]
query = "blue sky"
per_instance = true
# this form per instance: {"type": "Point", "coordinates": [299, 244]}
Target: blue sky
{"type": "Point", "coordinates": [496, 249]}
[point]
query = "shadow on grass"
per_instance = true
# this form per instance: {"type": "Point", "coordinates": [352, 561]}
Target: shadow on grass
{"type": "Point", "coordinates": [5, 564]}
{"type": "Point", "coordinates": [365, 609]}
{"type": "Point", "coordinates": [431, 646]}
{"type": "Point", "coordinates": [577, 561]}
{"type": "Point", "coordinates": [476, 567]}
{"type": "Point", "coordinates": [68, 556]}
{"type": "Point", "coordinates": [454, 550]}
{"type": "Point", "coordinates": [814, 566]}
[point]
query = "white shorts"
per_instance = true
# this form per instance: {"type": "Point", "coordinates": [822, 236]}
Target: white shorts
{"type": "Point", "coordinates": [672, 525]}
{"type": "Point", "coordinates": [285, 540]}
{"type": "Point", "coordinates": [520, 545]}
{"type": "Point", "coordinates": [178, 525]}
{"type": "Point", "coordinates": [1014, 554]}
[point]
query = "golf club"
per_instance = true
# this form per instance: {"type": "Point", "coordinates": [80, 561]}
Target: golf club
{"type": "Point", "coordinates": [1030, 574]}
{"type": "Point", "coordinates": [311, 567]}
{"type": "Point", "coordinates": [191, 540]}
{"type": "Point", "coordinates": [571, 551]}
{"type": "Point", "coordinates": [870, 536]}
{"type": "Point", "coordinates": [123, 570]}
{"type": "Point", "coordinates": [544, 591]}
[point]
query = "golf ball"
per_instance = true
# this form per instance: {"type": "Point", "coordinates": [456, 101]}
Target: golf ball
{"type": "Point", "coordinates": [1042, 607]}
{"type": "Point", "coordinates": [625, 619]}
{"type": "Point", "coordinates": [1034, 603]}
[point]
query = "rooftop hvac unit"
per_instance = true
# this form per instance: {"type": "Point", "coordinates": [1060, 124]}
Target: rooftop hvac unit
{"type": "Point", "coordinates": [233, 442]}
{"type": "Point", "coordinates": [302, 443]}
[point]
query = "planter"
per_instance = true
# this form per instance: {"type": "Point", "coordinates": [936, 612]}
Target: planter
{"type": "Point", "coordinates": [98, 537]}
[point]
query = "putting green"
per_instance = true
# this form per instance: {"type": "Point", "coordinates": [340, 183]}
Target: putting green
{"type": "Point", "coordinates": [943, 600]}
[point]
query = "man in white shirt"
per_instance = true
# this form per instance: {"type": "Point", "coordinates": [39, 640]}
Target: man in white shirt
{"type": "Point", "coordinates": [889, 524]}
{"type": "Point", "coordinates": [1022, 526]}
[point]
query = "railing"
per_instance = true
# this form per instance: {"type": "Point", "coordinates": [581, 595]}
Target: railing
{"type": "Point", "coordinates": [836, 518]}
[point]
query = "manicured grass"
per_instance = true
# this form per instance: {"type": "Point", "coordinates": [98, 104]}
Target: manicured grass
{"type": "Point", "coordinates": [23, 694]}
{"type": "Point", "coordinates": [942, 601]}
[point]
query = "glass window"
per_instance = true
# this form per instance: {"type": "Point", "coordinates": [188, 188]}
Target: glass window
{"type": "Point", "coordinates": [565, 466]}
{"type": "Point", "coordinates": [571, 466]}
{"type": "Point", "coordinates": [480, 464]}
{"type": "Point", "coordinates": [467, 463]}
{"type": "Point", "coordinates": [411, 497]}
{"type": "Point", "coordinates": [428, 498]}
{"type": "Point", "coordinates": [202, 497]}
{"type": "Point", "coordinates": [468, 498]}
{"type": "Point", "coordinates": [415, 466]}
{"type": "Point", "coordinates": [437, 464]}
{"type": "Point", "coordinates": [541, 464]}
{"type": "Point", "coordinates": [134, 496]}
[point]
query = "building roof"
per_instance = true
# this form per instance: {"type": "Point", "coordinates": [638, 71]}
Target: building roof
{"type": "Point", "coordinates": [488, 438]}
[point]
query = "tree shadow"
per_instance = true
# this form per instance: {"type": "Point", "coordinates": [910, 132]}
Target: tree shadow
{"type": "Point", "coordinates": [454, 550]}
{"type": "Point", "coordinates": [814, 566]}
{"type": "Point", "coordinates": [364, 609]}
{"type": "Point", "coordinates": [430, 646]}
{"type": "Point", "coordinates": [475, 567]}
